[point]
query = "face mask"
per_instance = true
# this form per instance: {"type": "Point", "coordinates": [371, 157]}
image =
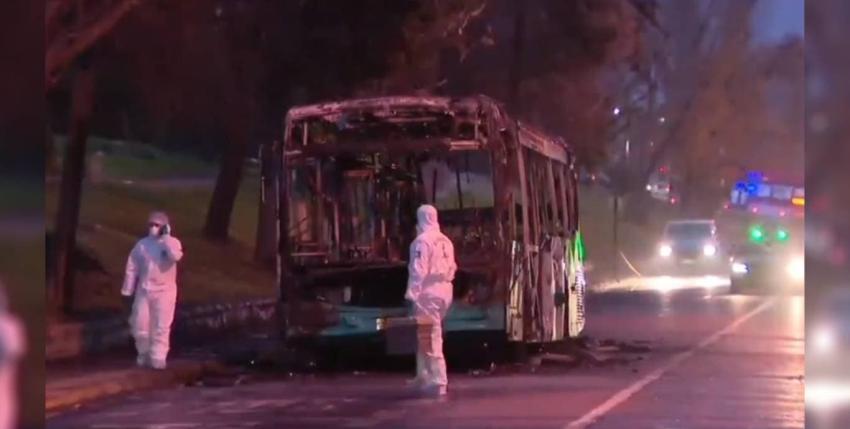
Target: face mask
{"type": "Point", "coordinates": [153, 231]}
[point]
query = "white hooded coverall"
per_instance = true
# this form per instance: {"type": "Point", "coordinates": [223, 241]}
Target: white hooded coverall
{"type": "Point", "coordinates": [151, 277]}
{"type": "Point", "coordinates": [429, 287]}
{"type": "Point", "coordinates": [12, 348]}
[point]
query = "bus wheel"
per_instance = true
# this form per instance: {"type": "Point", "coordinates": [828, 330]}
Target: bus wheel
{"type": "Point", "coordinates": [495, 351]}
{"type": "Point", "coordinates": [519, 352]}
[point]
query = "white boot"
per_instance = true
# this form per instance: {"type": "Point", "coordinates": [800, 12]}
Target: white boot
{"type": "Point", "coordinates": [416, 382]}
{"type": "Point", "coordinates": [421, 378]}
{"type": "Point", "coordinates": [158, 364]}
{"type": "Point", "coordinates": [435, 391]}
{"type": "Point", "coordinates": [142, 361]}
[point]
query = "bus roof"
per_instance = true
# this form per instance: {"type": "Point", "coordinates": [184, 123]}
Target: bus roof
{"type": "Point", "coordinates": [531, 136]}
{"type": "Point", "coordinates": [332, 107]}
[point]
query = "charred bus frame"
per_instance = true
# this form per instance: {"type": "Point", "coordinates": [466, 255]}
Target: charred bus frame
{"type": "Point", "coordinates": [350, 177]}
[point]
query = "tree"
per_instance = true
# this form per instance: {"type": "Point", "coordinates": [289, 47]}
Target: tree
{"type": "Point", "coordinates": [362, 49]}
{"type": "Point", "coordinates": [673, 103]}
{"type": "Point", "coordinates": [74, 28]}
{"type": "Point", "coordinates": [197, 66]}
{"type": "Point", "coordinates": [734, 119]}
{"type": "Point", "coordinates": [559, 53]}
{"type": "Point", "coordinates": [714, 95]}
{"type": "Point", "coordinates": [234, 67]}
{"type": "Point", "coordinates": [765, 131]}
{"type": "Point", "coordinates": [73, 31]}
{"type": "Point", "coordinates": [70, 193]}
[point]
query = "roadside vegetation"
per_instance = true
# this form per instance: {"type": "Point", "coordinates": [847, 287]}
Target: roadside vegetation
{"type": "Point", "coordinates": [637, 235]}
{"type": "Point", "coordinates": [113, 215]}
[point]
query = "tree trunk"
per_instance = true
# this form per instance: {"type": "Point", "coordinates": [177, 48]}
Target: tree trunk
{"type": "Point", "coordinates": [127, 134]}
{"type": "Point", "coordinates": [73, 170]}
{"type": "Point", "coordinates": [264, 249]}
{"type": "Point", "coordinates": [71, 43]}
{"type": "Point", "coordinates": [51, 166]}
{"type": "Point", "coordinates": [227, 183]}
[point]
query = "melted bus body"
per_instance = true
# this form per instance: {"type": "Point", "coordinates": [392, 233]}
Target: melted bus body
{"type": "Point", "coordinates": [350, 177]}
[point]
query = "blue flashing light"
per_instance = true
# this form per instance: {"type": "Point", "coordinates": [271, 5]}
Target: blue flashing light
{"type": "Point", "coordinates": [752, 188]}
{"type": "Point", "coordinates": [755, 176]}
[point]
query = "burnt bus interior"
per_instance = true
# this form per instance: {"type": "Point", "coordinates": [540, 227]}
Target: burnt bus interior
{"type": "Point", "coordinates": [355, 175]}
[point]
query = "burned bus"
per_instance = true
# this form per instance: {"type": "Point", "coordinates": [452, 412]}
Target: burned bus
{"type": "Point", "coordinates": [351, 175]}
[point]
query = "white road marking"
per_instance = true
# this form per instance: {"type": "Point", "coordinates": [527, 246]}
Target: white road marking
{"type": "Point", "coordinates": [629, 264]}
{"type": "Point", "coordinates": [151, 426]}
{"type": "Point", "coordinates": [595, 414]}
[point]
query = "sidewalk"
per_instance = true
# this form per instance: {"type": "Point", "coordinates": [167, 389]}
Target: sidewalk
{"type": "Point", "coordinates": [71, 384]}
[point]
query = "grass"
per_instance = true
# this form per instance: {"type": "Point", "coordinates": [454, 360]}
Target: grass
{"type": "Point", "coordinates": [138, 161]}
{"type": "Point", "coordinates": [596, 220]}
{"type": "Point", "coordinates": [22, 268]}
{"type": "Point", "coordinates": [140, 169]}
{"type": "Point", "coordinates": [113, 217]}
{"type": "Point", "coordinates": [21, 197]}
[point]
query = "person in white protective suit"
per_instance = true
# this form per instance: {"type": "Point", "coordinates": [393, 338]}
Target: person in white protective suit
{"type": "Point", "coordinates": [151, 279]}
{"type": "Point", "coordinates": [429, 287]}
{"type": "Point", "coordinates": [12, 348]}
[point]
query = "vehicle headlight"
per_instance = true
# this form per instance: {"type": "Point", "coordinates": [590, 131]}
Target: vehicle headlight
{"type": "Point", "coordinates": [740, 268]}
{"type": "Point", "coordinates": [826, 395]}
{"type": "Point", "coordinates": [665, 250]}
{"type": "Point", "coordinates": [709, 250]}
{"type": "Point", "coordinates": [824, 340]}
{"type": "Point", "coordinates": [797, 269]}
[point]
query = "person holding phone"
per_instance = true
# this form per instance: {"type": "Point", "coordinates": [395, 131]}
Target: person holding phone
{"type": "Point", "coordinates": [151, 279]}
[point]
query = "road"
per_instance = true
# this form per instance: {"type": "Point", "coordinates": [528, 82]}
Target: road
{"type": "Point", "coordinates": [715, 361]}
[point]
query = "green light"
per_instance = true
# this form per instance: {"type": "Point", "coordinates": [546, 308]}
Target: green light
{"type": "Point", "coordinates": [782, 235]}
{"type": "Point", "coordinates": [580, 250]}
{"type": "Point", "coordinates": [756, 234]}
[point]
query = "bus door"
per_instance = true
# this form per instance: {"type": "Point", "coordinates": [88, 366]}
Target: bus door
{"type": "Point", "coordinates": [538, 284]}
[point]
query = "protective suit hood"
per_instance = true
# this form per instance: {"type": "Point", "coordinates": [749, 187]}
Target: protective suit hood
{"type": "Point", "coordinates": [426, 219]}
{"type": "Point", "coordinates": [159, 217]}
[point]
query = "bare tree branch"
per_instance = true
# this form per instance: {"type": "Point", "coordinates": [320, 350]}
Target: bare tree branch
{"type": "Point", "coordinates": [646, 8]}
{"type": "Point", "coordinates": [72, 43]}
{"type": "Point", "coordinates": [711, 72]}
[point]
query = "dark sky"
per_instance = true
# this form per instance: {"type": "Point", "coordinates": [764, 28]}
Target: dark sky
{"type": "Point", "coordinates": [777, 19]}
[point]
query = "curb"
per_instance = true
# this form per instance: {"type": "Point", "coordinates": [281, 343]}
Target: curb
{"type": "Point", "coordinates": [61, 395]}
{"type": "Point", "coordinates": [193, 322]}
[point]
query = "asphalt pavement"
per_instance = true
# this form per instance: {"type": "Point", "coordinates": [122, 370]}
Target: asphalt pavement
{"type": "Point", "coordinates": [710, 360]}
